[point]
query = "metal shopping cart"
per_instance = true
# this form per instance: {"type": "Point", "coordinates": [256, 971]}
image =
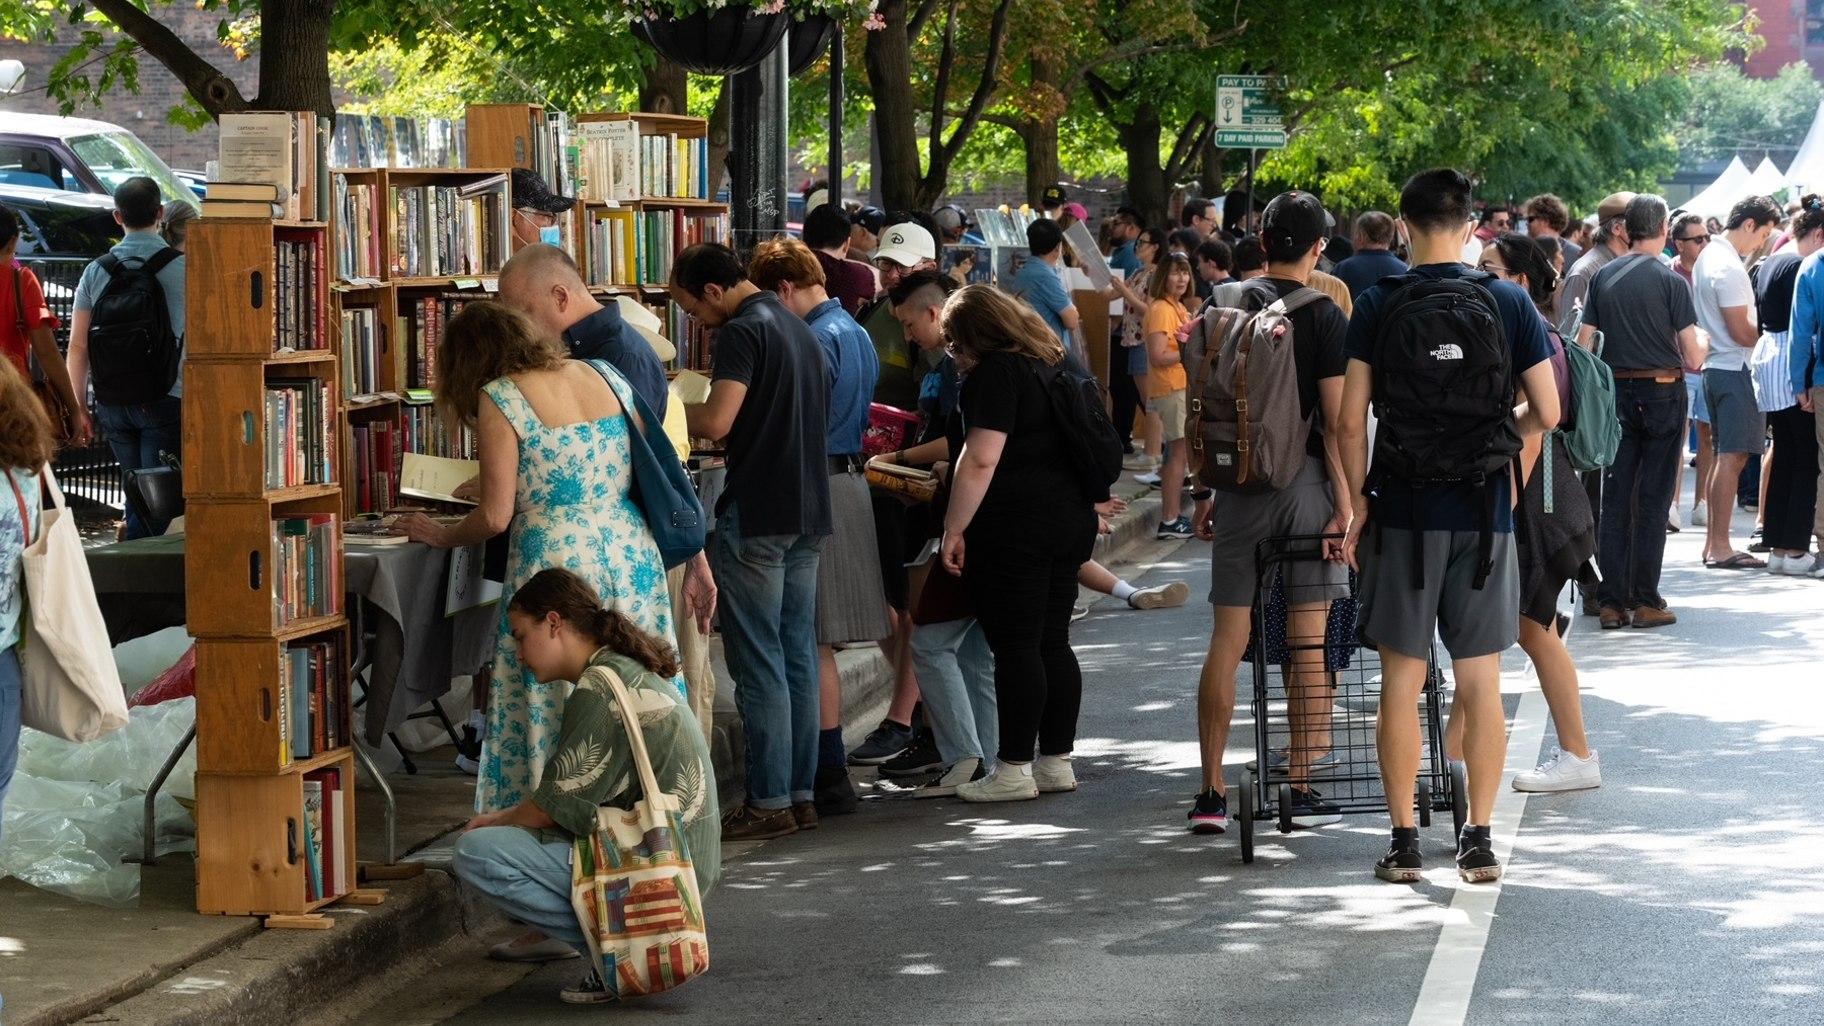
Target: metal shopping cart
{"type": "Point", "coordinates": [1316, 695]}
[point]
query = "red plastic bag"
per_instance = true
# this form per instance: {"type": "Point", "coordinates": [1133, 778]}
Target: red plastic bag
{"type": "Point", "coordinates": [889, 429]}
{"type": "Point", "coordinates": [177, 682]}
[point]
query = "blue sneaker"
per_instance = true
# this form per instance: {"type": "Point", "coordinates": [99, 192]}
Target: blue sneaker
{"type": "Point", "coordinates": [1209, 813]}
{"type": "Point", "coordinates": [1179, 528]}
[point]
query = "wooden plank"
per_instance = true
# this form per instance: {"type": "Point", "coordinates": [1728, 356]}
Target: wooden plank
{"type": "Point", "coordinates": [398, 871]}
{"type": "Point", "coordinates": [364, 896]}
{"type": "Point", "coordinates": [1093, 308]}
{"type": "Point", "coordinates": [312, 921]}
{"type": "Point", "coordinates": [249, 844]}
{"type": "Point", "coordinates": [224, 429]}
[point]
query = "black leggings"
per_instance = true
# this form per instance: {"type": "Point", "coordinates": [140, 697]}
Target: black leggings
{"type": "Point", "coordinates": [1126, 400]}
{"type": "Point", "coordinates": [1023, 592]}
{"type": "Point", "coordinates": [1792, 482]}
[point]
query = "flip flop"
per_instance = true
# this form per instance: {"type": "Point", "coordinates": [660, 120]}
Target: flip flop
{"type": "Point", "coordinates": [1739, 561]}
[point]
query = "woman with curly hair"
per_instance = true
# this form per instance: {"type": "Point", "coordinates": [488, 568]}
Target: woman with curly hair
{"type": "Point", "coordinates": [25, 446]}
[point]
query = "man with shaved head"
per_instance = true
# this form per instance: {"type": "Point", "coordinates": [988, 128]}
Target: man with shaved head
{"type": "Point", "coordinates": [543, 283]}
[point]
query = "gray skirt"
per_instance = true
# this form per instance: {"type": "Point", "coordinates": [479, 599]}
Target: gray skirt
{"type": "Point", "coordinates": [851, 599]}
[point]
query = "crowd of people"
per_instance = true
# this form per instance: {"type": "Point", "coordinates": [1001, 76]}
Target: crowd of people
{"type": "Point", "coordinates": [1425, 393]}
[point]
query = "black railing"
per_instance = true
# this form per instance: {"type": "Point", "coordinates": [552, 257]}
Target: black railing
{"type": "Point", "coordinates": [87, 472]}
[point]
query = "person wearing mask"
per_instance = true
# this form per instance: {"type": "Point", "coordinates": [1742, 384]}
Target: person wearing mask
{"type": "Point", "coordinates": [1645, 314]}
{"type": "Point", "coordinates": [519, 858]}
{"type": "Point", "coordinates": [1554, 547]}
{"type": "Point", "coordinates": [1373, 259]}
{"type": "Point", "coordinates": [1548, 218]}
{"type": "Point", "coordinates": [1166, 317]}
{"type": "Point", "coordinates": [28, 330]}
{"type": "Point", "coordinates": [143, 419]}
{"type": "Point", "coordinates": [1017, 530]}
{"type": "Point", "coordinates": [1611, 242]}
{"type": "Point", "coordinates": [1791, 507]}
{"type": "Point", "coordinates": [1038, 284]}
{"type": "Point", "coordinates": [538, 213]}
{"type": "Point", "coordinates": [1726, 312]}
{"type": "Point", "coordinates": [1199, 215]}
{"type": "Point", "coordinates": [770, 400]}
{"type": "Point", "coordinates": [850, 606]}
{"type": "Point", "coordinates": [1689, 237]}
{"type": "Point", "coordinates": [850, 282]}
{"type": "Point", "coordinates": [25, 448]}
{"type": "Point", "coordinates": [865, 226]}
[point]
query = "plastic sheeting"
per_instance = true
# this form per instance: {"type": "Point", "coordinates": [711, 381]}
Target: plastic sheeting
{"type": "Point", "coordinates": [75, 811]}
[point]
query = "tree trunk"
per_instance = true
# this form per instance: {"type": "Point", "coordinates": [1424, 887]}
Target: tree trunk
{"type": "Point", "coordinates": [1041, 143]}
{"type": "Point", "coordinates": [1146, 185]}
{"type": "Point", "coordinates": [1210, 179]}
{"type": "Point", "coordinates": [294, 55]}
{"type": "Point", "coordinates": [719, 140]}
{"type": "Point", "coordinates": [666, 90]}
{"type": "Point", "coordinates": [889, 65]}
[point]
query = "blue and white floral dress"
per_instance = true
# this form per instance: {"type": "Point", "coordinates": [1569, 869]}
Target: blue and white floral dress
{"type": "Point", "coordinates": [573, 508]}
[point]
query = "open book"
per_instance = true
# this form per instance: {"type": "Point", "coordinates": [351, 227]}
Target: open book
{"type": "Point", "coordinates": [434, 477]}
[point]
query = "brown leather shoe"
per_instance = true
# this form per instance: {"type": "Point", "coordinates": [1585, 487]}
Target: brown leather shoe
{"type": "Point", "coordinates": [1647, 616]}
{"type": "Point", "coordinates": [750, 824]}
{"type": "Point", "coordinates": [1612, 618]}
{"type": "Point", "coordinates": [805, 813]}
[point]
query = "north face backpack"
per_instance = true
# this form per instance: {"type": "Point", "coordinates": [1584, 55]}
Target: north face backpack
{"type": "Point", "coordinates": [1444, 388]}
{"type": "Point", "coordinates": [1243, 418]}
{"type": "Point", "coordinates": [134, 353]}
{"type": "Point", "coordinates": [1086, 435]}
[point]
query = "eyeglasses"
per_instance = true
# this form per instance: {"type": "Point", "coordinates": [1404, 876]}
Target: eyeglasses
{"type": "Point", "coordinates": [1693, 238]}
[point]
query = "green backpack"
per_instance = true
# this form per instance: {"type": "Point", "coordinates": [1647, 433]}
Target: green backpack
{"type": "Point", "coordinates": [1595, 431]}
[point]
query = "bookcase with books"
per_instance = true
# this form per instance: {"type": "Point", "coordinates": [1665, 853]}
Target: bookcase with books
{"type": "Point", "coordinates": [263, 418]}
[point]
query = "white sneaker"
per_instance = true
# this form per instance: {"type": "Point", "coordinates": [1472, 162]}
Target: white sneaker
{"type": "Point", "coordinates": [945, 786]}
{"type": "Point", "coordinates": [1149, 479]}
{"type": "Point", "coordinates": [1162, 596]}
{"type": "Point", "coordinates": [1138, 461]}
{"type": "Point", "coordinates": [1008, 783]}
{"type": "Point", "coordinates": [1565, 772]}
{"type": "Point", "coordinates": [1673, 523]}
{"type": "Point", "coordinates": [1817, 574]}
{"type": "Point", "coordinates": [1805, 565]}
{"type": "Point", "coordinates": [1052, 774]}
{"type": "Point", "coordinates": [1699, 517]}
{"type": "Point", "coordinates": [1078, 612]}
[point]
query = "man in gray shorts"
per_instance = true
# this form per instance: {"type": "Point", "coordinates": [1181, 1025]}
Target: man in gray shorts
{"type": "Point", "coordinates": [1316, 502]}
{"type": "Point", "coordinates": [1438, 557]}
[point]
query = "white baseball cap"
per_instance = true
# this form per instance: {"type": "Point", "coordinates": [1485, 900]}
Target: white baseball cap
{"type": "Point", "coordinates": [647, 324]}
{"type": "Point", "coordinates": [906, 244]}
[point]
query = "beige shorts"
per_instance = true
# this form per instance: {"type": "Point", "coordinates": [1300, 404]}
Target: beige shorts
{"type": "Point", "coordinates": [1170, 408]}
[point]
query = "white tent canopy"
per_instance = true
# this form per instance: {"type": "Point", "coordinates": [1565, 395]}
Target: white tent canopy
{"type": "Point", "coordinates": [1729, 187]}
{"type": "Point", "coordinates": [1767, 179]}
{"type": "Point", "coordinates": [1806, 173]}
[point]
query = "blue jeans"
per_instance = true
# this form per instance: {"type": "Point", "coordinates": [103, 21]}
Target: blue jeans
{"type": "Point", "coordinates": [526, 878]}
{"type": "Point", "coordinates": [1636, 489]}
{"type": "Point", "coordinates": [768, 614]}
{"type": "Point", "coordinates": [11, 694]}
{"type": "Point", "coordinates": [956, 681]}
{"type": "Point", "coordinates": [137, 434]}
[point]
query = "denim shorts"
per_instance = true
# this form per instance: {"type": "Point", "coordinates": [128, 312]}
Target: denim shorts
{"type": "Point", "coordinates": [1137, 362]}
{"type": "Point", "coordinates": [1694, 396]}
{"type": "Point", "coordinates": [1736, 421]}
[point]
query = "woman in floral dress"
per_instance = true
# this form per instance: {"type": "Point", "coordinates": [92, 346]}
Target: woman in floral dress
{"type": "Point", "coordinates": [555, 466]}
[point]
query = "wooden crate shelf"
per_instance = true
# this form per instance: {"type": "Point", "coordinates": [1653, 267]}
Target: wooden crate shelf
{"type": "Point", "coordinates": [242, 715]}
{"type": "Point", "coordinates": [250, 854]}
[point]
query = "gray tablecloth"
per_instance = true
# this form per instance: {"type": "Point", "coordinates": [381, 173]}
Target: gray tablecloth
{"type": "Point", "coordinates": [415, 648]}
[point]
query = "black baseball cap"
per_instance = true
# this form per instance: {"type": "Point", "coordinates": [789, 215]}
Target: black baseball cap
{"type": "Point", "coordinates": [1293, 219]}
{"type": "Point", "coordinates": [1052, 197]}
{"type": "Point", "coordinates": [531, 193]}
{"type": "Point", "coordinates": [873, 219]}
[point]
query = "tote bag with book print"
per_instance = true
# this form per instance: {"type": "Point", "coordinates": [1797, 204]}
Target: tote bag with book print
{"type": "Point", "coordinates": [632, 882]}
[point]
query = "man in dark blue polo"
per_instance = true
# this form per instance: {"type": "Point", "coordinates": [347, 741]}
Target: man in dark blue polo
{"type": "Point", "coordinates": [542, 282]}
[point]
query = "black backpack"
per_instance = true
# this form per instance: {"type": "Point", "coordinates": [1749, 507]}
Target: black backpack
{"type": "Point", "coordinates": [1086, 435]}
{"type": "Point", "coordinates": [1444, 388]}
{"type": "Point", "coordinates": [134, 353]}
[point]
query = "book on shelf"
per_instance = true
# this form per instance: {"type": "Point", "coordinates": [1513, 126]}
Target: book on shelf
{"type": "Point", "coordinates": [636, 247]}
{"type": "Point", "coordinates": [444, 231]}
{"type": "Point", "coordinates": [325, 813]}
{"type": "Point", "coordinates": [609, 161]}
{"type": "Point", "coordinates": [367, 140]}
{"type": "Point", "coordinates": [423, 430]}
{"type": "Point", "coordinates": [357, 220]}
{"type": "Point", "coordinates": [307, 582]}
{"type": "Point", "coordinates": [284, 149]}
{"type": "Point", "coordinates": [674, 168]}
{"type": "Point", "coordinates": [241, 192]}
{"type": "Point", "coordinates": [312, 828]}
{"type": "Point", "coordinates": [227, 208]}
{"type": "Point", "coordinates": [361, 355]}
{"type": "Point", "coordinates": [312, 682]}
{"type": "Point", "coordinates": [422, 325]}
{"type": "Point", "coordinates": [423, 476]}
{"type": "Point", "coordinates": [690, 337]}
{"type": "Point", "coordinates": [300, 432]}
{"type": "Point", "coordinates": [376, 458]}
{"type": "Point", "coordinates": [297, 307]}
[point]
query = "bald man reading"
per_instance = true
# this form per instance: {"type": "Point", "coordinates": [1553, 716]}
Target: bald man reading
{"type": "Point", "coordinates": [543, 283]}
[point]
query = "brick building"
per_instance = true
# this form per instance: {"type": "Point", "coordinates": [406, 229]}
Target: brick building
{"type": "Point", "coordinates": [1791, 31]}
{"type": "Point", "coordinates": [142, 113]}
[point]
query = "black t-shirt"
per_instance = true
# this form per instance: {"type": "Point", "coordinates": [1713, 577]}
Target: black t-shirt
{"type": "Point", "coordinates": [1318, 330]}
{"type": "Point", "coordinates": [777, 466]}
{"type": "Point", "coordinates": [1033, 482]}
{"type": "Point", "coordinates": [1640, 305]}
{"type": "Point", "coordinates": [1773, 284]}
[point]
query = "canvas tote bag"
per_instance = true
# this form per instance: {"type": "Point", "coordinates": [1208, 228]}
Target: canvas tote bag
{"type": "Point", "coordinates": [632, 882]}
{"type": "Point", "coordinates": [72, 687]}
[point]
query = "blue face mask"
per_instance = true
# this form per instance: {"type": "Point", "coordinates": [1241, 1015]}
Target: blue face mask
{"type": "Point", "coordinates": [552, 235]}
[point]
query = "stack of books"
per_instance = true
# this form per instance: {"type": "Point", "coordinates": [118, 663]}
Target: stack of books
{"type": "Point", "coordinates": [308, 577]}
{"type": "Point", "coordinates": [326, 850]}
{"type": "Point", "coordinates": [690, 337]}
{"type": "Point", "coordinates": [297, 307]}
{"type": "Point", "coordinates": [313, 702]}
{"type": "Point", "coordinates": [300, 426]}
{"type": "Point", "coordinates": [288, 150]}
{"type": "Point", "coordinates": [243, 199]}
{"type": "Point", "coordinates": [674, 168]}
{"type": "Point", "coordinates": [446, 231]}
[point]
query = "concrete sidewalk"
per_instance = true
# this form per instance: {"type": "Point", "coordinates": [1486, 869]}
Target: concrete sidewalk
{"type": "Point", "coordinates": [162, 964]}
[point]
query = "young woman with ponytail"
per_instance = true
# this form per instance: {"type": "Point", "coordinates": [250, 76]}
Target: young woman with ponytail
{"type": "Point", "coordinates": [520, 857]}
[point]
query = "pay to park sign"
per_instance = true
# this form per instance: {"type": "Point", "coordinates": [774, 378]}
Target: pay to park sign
{"type": "Point", "coordinates": [1248, 115]}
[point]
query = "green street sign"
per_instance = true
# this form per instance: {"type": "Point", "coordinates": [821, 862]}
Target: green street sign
{"type": "Point", "coordinates": [1248, 115]}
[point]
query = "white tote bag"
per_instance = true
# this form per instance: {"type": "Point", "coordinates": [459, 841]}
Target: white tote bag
{"type": "Point", "coordinates": [72, 687]}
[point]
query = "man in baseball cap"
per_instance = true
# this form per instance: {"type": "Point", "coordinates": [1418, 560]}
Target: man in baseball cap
{"type": "Point", "coordinates": [1610, 241]}
{"type": "Point", "coordinates": [954, 223]}
{"type": "Point", "coordinates": [1051, 199]}
{"type": "Point", "coordinates": [537, 210]}
{"type": "Point", "coordinates": [865, 226]}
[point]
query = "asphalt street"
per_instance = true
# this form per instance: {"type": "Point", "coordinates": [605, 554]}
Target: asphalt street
{"type": "Point", "coordinates": [1686, 890]}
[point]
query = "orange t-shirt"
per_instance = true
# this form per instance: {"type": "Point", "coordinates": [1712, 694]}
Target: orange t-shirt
{"type": "Point", "coordinates": [13, 343]}
{"type": "Point", "coordinates": [1167, 315]}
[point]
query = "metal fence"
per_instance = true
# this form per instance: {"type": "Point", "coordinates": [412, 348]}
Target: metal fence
{"type": "Point", "coordinates": [88, 472]}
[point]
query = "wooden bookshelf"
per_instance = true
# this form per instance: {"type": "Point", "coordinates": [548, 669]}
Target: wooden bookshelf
{"type": "Point", "coordinates": [252, 839]}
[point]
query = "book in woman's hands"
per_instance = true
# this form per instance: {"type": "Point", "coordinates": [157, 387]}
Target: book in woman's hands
{"type": "Point", "coordinates": [434, 477]}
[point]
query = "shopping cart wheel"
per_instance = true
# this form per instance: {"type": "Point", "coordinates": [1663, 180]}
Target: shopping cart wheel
{"type": "Point", "coordinates": [1424, 803]}
{"type": "Point", "coordinates": [1459, 796]}
{"type": "Point", "coordinates": [1285, 808]}
{"type": "Point", "coordinates": [1244, 817]}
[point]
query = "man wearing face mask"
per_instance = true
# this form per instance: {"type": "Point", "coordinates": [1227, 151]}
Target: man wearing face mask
{"type": "Point", "coordinates": [537, 211]}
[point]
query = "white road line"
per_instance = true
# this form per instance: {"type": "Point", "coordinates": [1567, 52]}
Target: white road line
{"type": "Point", "coordinates": [1450, 979]}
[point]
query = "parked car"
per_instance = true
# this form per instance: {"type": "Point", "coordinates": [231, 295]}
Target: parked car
{"type": "Point", "coordinates": [79, 155]}
{"type": "Point", "coordinates": [59, 233]}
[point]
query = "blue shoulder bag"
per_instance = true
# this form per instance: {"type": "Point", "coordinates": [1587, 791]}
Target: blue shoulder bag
{"type": "Point", "coordinates": [661, 485]}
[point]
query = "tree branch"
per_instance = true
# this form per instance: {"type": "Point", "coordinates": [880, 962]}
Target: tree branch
{"type": "Point", "coordinates": [1189, 142]}
{"type": "Point", "coordinates": [997, 43]}
{"type": "Point", "coordinates": [941, 88]}
{"type": "Point", "coordinates": [1137, 50]}
{"type": "Point", "coordinates": [916, 23]}
{"type": "Point", "coordinates": [214, 91]}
